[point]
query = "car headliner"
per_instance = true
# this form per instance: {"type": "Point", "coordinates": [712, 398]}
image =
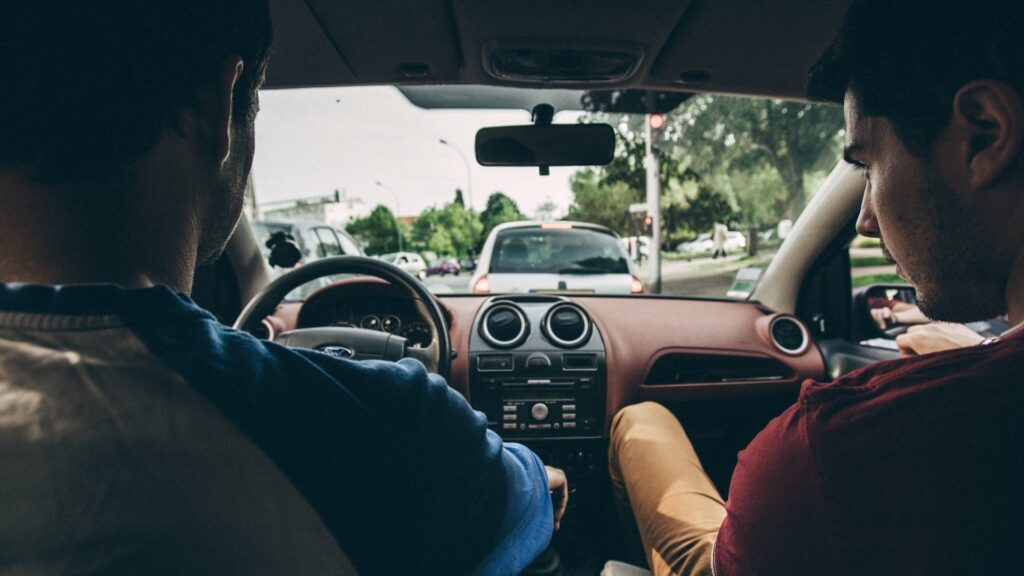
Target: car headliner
{"type": "Point", "coordinates": [751, 47]}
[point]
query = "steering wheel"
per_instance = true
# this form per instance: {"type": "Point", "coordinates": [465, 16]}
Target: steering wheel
{"type": "Point", "coordinates": [355, 343]}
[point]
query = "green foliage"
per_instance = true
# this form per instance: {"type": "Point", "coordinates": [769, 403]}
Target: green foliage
{"type": "Point", "coordinates": [448, 231]}
{"type": "Point", "coordinates": [705, 208]}
{"type": "Point", "coordinates": [777, 144]}
{"type": "Point", "coordinates": [859, 281]}
{"type": "Point", "coordinates": [868, 261]}
{"type": "Point", "coordinates": [500, 208]}
{"type": "Point", "coordinates": [755, 156]}
{"type": "Point", "coordinates": [602, 202]}
{"type": "Point", "coordinates": [378, 232]}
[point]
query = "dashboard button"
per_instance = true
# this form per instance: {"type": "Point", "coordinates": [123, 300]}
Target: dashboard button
{"type": "Point", "coordinates": [495, 363]}
{"type": "Point", "coordinates": [539, 411]}
{"type": "Point", "coordinates": [538, 360]}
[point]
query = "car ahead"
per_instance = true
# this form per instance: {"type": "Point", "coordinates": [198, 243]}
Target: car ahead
{"type": "Point", "coordinates": [554, 257]}
{"type": "Point", "coordinates": [411, 262]}
{"type": "Point", "coordinates": [443, 267]}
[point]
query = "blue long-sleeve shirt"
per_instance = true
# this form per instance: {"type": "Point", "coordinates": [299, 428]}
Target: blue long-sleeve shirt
{"type": "Point", "coordinates": [401, 470]}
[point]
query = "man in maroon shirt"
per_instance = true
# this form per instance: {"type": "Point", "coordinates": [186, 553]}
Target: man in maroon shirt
{"type": "Point", "coordinates": [914, 466]}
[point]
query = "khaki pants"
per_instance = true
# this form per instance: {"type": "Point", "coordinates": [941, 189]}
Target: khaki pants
{"type": "Point", "coordinates": [660, 483]}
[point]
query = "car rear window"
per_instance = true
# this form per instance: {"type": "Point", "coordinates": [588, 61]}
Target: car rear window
{"type": "Point", "coordinates": [568, 251]}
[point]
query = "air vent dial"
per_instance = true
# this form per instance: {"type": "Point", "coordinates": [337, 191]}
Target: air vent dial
{"type": "Point", "coordinates": [789, 335]}
{"type": "Point", "coordinates": [504, 326]}
{"type": "Point", "coordinates": [567, 326]}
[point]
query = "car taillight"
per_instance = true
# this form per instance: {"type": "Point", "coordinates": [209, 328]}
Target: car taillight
{"type": "Point", "coordinates": [482, 286]}
{"type": "Point", "coordinates": [636, 286]}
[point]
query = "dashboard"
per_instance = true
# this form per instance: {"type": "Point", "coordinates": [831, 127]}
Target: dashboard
{"type": "Point", "coordinates": [369, 305]}
{"type": "Point", "coordinates": [552, 371]}
{"type": "Point", "coordinates": [667, 350]}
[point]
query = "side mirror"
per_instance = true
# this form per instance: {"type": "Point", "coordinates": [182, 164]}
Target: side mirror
{"type": "Point", "coordinates": [886, 309]}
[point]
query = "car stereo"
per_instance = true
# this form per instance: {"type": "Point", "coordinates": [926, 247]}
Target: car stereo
{"type": "Point", "coordinates": [537, 383]}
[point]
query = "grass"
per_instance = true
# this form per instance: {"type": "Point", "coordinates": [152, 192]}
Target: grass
{"type": "Point", "coordinates": [864, 242]}
{"type": "Point", "coordinates": [863, 261]}
{"type": "Point", "coordinates": [878, 279]}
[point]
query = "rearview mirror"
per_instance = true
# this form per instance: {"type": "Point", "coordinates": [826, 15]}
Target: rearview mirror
{"type": "Point", "coordinates": [546, 145]}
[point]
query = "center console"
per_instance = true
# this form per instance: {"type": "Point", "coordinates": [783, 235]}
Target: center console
{"type": "Point", "coordinates": [537, 369]}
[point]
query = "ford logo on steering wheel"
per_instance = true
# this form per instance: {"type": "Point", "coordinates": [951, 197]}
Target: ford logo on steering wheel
{"type": "Point", "coordinates": [338, 351]}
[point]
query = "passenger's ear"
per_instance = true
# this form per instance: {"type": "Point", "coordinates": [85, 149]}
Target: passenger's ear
{"type": "Point", "coordinates": [230, 72]}
{"type": "Point", "coordinates": [990, 115]}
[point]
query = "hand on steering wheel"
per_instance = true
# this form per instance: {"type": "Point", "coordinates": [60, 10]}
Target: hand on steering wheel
{"type": "Point", "coordinates": [357, 343]}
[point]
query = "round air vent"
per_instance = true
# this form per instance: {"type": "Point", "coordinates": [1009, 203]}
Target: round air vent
{"type": "Point", "coordinates": [567, 325]}
{"type": "Point", "coordinates": [504, 326]}
{"type": "Point", "coordinates": [789, 335]}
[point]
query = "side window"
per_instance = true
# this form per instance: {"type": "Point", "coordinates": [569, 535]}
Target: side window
{"type": "Point", "coordinates": [348, 245]}
{"type": "Point", "coordinates": [403, 260]}
{"type": "Point", "coordinates": [327, 242]}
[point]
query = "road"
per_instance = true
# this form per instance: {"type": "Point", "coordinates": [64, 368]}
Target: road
{"type": "Point", "coordinates": [701, 276]}
{"type": "Point", "coordinates": [698, 277]}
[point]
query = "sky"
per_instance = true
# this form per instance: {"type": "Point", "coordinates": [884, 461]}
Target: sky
{"type": "Point", "coordinates": [311, 142]}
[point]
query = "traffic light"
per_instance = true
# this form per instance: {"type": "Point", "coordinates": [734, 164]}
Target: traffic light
{"type": "Point", "coordinates": [657, 129]}
{"type": "Point", "coordinates": [648, 225]}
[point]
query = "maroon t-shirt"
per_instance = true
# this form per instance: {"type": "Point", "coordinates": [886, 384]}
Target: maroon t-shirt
{"type": "Point", "coordinates": [914, 466]}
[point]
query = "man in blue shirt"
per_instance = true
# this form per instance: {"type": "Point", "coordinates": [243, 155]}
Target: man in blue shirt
{"type": "Point", "coordinates": [138, 434]}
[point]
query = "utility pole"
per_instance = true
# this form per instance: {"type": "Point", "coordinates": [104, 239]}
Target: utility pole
{"type": "Point", "coordinates": [653, 203]}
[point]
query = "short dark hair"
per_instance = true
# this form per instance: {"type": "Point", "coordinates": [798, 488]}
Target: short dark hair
{"type": "Point", "coordinates": [86, 86]}
{"type": "Point", "coordinates": [905, 60]}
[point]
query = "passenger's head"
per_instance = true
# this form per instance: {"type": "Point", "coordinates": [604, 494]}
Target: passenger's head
{"type": "Point", "coordinates": [88, 89]}
{"type": "Point", "coordinates": [933, 98]}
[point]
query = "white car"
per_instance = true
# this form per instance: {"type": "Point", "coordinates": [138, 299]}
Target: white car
{"type": "Point", "coordinates": [733, 241]}
{"type": "Point", "coordinates": [554, 257]}
{"type": "Point", "coordinates": [411, 262]}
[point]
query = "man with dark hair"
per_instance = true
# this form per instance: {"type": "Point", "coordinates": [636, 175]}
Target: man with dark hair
{"type": "Point", "coordinates": [140, 436]}
{"type": "Point", "coordinates": [913, 466]}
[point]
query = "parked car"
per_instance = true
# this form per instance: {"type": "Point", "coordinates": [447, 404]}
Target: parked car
{"type": "Point", "coordinates": [467, 264]}
{"type": "Point", "coordinates": [411, 262]}
{"type": "Point", "coordinates": [443, 267]}
{"type": "Point", "coordinates": [734, 241]}
{"type": "Point", "coordinates": [314, 238]}
{"type": "Point", "coordinates": [563, 257]}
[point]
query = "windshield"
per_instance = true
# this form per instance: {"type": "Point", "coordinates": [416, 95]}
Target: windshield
{"type": "Point", "coordinates": [733, 174]}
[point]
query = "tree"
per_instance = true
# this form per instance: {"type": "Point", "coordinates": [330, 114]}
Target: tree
{"type": "Point", "coordinates": [546, 210]}
{"type": "Point", "coordinates": [500, 208]}
{"type": "Point", "coordinates": [705, 208]}
{"type": "Point", "coordinates": [756, 156]}
{"type": "Point", "coordinates": [378, 232]}
{"type": "Point", "coordinates": [448, 231]}
{"type": "Point", "coordinates": [601, 202]}
{"type": "Point", "coordinates": [741, 136]}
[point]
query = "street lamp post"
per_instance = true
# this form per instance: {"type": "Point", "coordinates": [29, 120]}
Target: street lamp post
{"type": "Point", "coordinates": [469, 176]}
{"type": "Point", "coordinates": [398, 227]}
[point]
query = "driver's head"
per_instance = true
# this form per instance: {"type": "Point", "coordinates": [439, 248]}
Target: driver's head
{"type": "Point", "coordinates": [934, 116]}
{"type": "Point", "coordinates": [91, 90]}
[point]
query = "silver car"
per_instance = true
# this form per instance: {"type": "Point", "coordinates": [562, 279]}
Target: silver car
{"type": "Point", "coordinates": [554, 257]}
